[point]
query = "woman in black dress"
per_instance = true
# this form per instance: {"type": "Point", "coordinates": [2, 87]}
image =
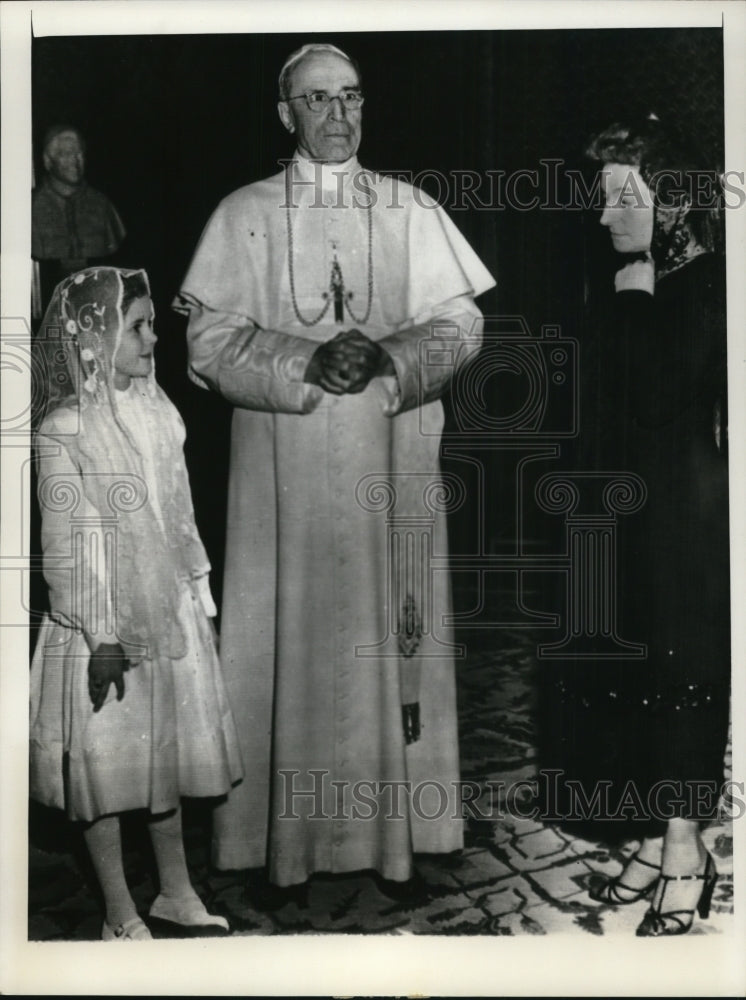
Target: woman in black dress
{"type": "Point", "coordinates": [654, 404]}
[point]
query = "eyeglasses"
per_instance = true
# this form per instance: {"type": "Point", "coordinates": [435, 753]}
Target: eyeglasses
{"type": "Point", "coordinates": [319, 100]}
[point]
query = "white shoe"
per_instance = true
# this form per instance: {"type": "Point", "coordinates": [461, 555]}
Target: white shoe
{"type": "Point", "coordinates": [130, 930]}
{"type": "Point", "coordinates": [187, 911]}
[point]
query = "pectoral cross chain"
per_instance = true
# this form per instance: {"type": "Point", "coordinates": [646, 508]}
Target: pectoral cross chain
{"type": "Point", "coordinates": [336, 290]}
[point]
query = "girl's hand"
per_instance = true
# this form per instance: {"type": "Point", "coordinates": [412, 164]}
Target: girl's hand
{"type": "Point", "coordinates": [106, 666]}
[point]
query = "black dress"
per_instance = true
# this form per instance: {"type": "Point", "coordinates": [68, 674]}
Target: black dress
{"type": "Point", "coordinates": [653, 402]}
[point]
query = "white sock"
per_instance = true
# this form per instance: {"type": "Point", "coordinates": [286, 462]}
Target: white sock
{"type": "Point", "coordinates": [104, 842]}
{"type": "Point", "coordinates": [168, 847]}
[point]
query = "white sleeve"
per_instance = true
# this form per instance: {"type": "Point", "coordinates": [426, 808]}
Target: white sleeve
{"type": "Point", "coordinates": [73, 546]}
{"type": "Point", "coordinates": [426, 354]}
{"type": "Point", "coordinates": [250, 367]}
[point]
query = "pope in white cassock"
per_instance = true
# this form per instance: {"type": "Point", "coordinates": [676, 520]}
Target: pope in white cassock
{"type": "Point", "coordinates": [331, 305]}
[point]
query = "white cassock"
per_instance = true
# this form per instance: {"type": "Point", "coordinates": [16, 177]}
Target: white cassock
{"type": "Point", "coordinates": [333, 616]}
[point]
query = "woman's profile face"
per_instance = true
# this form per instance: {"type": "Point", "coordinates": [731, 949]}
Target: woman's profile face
{"type": "Point", "coordinates": [628, 211]}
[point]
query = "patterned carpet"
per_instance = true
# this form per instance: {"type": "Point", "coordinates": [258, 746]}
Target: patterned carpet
{"type": "Point", "coordinates": [514, 877]}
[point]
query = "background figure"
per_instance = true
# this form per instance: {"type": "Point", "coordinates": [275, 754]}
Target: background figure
{"type": "Point", "coordinates": [72, 224]}
{"type": "Point", "coordinates": [654, 404]}
{"type": "Point", "coordinates": [312, 298]}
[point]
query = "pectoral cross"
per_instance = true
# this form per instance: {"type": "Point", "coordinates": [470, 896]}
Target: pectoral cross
{"type": "Point", "coordinates": [337, 288]}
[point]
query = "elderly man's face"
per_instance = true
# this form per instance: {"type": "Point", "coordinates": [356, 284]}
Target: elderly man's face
{"type": "Point", "coordinates": [64, 158]}
{"type": "Point", "coordinates": [332, 135]}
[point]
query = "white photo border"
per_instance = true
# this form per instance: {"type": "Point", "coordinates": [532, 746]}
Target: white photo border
{"type": "Point", "coordinates": [555, 965]}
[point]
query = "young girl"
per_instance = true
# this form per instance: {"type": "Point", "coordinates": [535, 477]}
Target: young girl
{"type": "Point", "coordinates": [128, 708]}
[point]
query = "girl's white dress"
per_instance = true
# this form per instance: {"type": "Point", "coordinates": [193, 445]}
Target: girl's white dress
{"type": "Point", "coordinates": [173, 733]}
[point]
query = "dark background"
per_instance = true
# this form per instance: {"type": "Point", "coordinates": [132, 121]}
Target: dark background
{"type": "Point", "coordinates": [174, 123]}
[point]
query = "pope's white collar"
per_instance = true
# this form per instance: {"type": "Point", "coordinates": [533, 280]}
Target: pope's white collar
{"type": "Point", "coordinates": [326, 174]}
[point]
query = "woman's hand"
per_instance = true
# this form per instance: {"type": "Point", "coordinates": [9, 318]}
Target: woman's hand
{"type": "Point", "coordinates": [106, 666]}
{"type": "Point", "coordinates": [638, 276]}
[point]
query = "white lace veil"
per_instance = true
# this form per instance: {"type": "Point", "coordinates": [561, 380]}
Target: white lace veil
{"type": "Point", "coordinates": [76, 353]}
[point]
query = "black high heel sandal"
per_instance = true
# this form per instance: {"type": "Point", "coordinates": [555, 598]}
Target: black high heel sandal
{"type": "Point", "coordinates": [656, 923]}
{"type": "Point", "coordinates": [608, 892]}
